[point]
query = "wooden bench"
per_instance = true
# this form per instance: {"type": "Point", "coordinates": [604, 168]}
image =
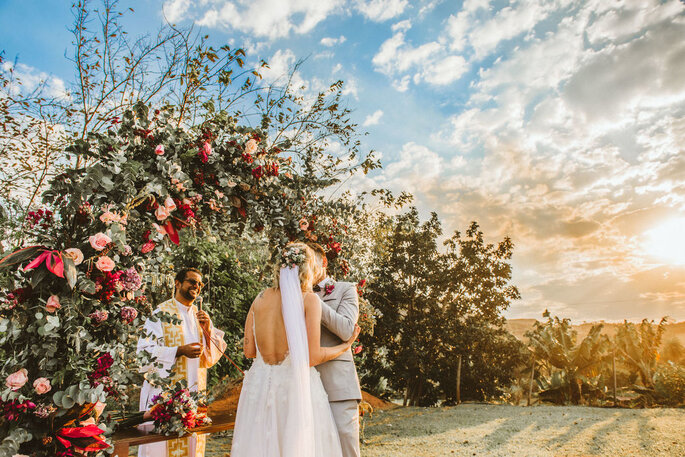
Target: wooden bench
{"type": "Point", "coordinates": [135, 436]}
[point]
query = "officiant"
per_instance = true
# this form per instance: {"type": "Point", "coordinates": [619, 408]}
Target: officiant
{"type": "Point", "coordinates": [184, 351]}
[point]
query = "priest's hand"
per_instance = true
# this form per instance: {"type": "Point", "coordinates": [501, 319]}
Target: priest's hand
{"type": "Point", "coordinates": [203, 319]}
{"type": "Point", "coordinates": [192, 350]}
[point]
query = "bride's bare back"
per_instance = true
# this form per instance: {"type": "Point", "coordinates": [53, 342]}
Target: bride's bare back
{"type": "Point", "coordinates": [269, 330]}
{"type": "Point", "coordinates": [269, 327]}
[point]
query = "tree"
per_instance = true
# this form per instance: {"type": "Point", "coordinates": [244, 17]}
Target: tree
{"type": "Point", "coordinates": [437, 306]}
{"type": "Point", "coordinates": [475, 290]}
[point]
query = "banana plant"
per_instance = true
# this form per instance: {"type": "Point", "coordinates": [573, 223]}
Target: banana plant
{"type": "Point", "coordinates": [638, 347]}
{"type": "Point", "coordinates": [573, 369]}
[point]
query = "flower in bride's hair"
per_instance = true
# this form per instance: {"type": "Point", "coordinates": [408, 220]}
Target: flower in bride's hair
{"type": "Point", "coordinates": [292, 257]}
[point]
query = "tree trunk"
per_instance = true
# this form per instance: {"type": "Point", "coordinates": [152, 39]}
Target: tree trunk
{"type": "Point", "coordinates": [406, 394]}
{"type": "Point", "coordinates": [613, 368]}
{"type": "Point", "coordinates": [530, 386]}
{"type": "Point", "coordinates": [459, 380]}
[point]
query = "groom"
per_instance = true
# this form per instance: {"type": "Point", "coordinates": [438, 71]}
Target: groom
{"type": "Point", "coordinates": [340, 311]}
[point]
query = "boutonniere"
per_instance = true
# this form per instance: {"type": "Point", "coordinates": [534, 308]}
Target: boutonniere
{"type": "Point", "coordinates": [329, 285]}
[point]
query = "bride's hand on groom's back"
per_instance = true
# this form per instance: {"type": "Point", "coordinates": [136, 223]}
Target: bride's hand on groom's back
{"type": "Point", "coordinates": [355, 334]}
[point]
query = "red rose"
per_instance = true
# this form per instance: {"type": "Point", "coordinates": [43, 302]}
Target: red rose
{"type": "Point", "coordinates": [258, 172]}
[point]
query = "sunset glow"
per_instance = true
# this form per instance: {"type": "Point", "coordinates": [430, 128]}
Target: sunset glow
{"type": "Point", "coordinates": [667, 242]}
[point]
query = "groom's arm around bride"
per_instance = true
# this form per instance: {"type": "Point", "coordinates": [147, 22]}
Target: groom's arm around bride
{"type": "Point", "coordinates": [339, 314]}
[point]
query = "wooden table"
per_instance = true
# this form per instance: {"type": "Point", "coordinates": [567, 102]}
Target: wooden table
{"type": "Point", "coordinates": [135, 436]}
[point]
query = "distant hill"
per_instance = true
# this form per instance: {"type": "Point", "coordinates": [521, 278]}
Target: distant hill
{"type": "Point", "coordinates": [518, 327]}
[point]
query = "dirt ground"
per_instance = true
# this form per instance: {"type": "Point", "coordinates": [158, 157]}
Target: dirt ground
{"type": "Point", "coordinates": [514, 431]}
{"type": "Point", "coordinates": [504, 431]}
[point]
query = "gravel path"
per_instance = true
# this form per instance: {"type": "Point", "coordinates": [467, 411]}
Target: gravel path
{"type": "Point", "coordinates": [502, 430]}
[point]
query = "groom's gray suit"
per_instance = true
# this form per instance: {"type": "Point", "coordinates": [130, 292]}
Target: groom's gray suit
{"type": "Point", "coordinates": [340, 311]}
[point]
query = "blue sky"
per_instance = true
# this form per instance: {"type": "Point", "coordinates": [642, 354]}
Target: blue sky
{"type": "Point", "coordinates": [559, 123]}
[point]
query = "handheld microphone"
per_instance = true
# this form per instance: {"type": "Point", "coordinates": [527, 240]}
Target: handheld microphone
{"type": "Point", "coordinates": [199, 302]}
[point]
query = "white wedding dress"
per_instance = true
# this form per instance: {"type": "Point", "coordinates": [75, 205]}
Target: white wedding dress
{"type": "Point", "coordinates": [265, 426]}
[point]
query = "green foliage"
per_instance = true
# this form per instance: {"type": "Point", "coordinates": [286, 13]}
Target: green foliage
{"type": "Point", "coordinates": [669, 384]}
{"type": "Point", "coordinates": [638, 348]}
{"type": "Point", "coordinates": [571, 371]}
{"type": "Point", "coordinates": [234, 274]}
{"type": "Point", "coordinates": [442, 304]}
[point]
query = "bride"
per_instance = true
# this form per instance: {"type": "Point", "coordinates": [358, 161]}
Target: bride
{"type": "Point", "coordinates": [283, 409]}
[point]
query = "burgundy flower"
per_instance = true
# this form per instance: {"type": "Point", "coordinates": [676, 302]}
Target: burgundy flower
{"type": "Point", "coordinates": [258, 172]}
{"type": "Point", "coordinates": [272, 169]}
{"type": "Point", "coordinates": [335, 246]}
{"type": "Point", "coordinates": [248, 158]}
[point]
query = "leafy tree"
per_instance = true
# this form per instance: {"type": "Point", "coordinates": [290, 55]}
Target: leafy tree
{"type": "Point", "coordinates": [437, 306]}
{"type": "Point", "coordinates": [475, 290]}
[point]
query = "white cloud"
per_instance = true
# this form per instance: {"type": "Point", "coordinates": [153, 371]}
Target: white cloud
{"type": "Point", "coordinates": [426, 62]}
{"type": "Point", "coordinates": [32, 79]}
{"type": "Point", "coordinates": [401, 26]}
{"type": "Point", "coordinates": [267, 18]}
{"type": "Point", "coordinates": [373, 119]}
{"type": "Point", "coordinates": [571, 142]}
{"type": "Point", "coordinates": [351, 88]}
{"type": "Point", "coordinates": [175, 10]}
{"type": "Point", "coordinates": [329, 41]}
{"type": "Point", "coordinates": [381, 10]}
{"type": "Point", "coordinates": [445, 71]}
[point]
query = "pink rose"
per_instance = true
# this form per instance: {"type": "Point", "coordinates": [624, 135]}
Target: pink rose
{"type": "Point", "coordinates": [161, 230]}
{"type": "Point", "coordinates": [104, 263]}
{"type": "Point", "coordinates": [16, 380]}
{"type": "Point", "coordinates": [108, 217]}
{"type": "Point", "coordinates": [53, 304]}
{"type": "Point", "coordinates": [99, 241]}
{"type": "Point", "coordinates": [169, 204]}
{"type": "Point", "coordinates": [127, 250]}
{"type": "Point", "coordinates": [161, 213]}
{"type": "Point", "coordinates": [304, 224]}
{"type": "Point", "coordinates": [42, 386]}
{"type": "Point", "coordinates": [358, 349]}
{"type": "Point", "coordinates": [159, 150]}
{"type": "Point", "coordinates": [251, 146]}
{"type": "Point", "coordinates": [147, 247]}
{"type": "Point", "coordinates": [74, 254]}
{"type": "Point", "coordinates": [207, 148]}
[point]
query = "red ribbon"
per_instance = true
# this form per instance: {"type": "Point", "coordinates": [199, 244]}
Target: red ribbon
{"type": "Point", "coordinates": [172, 232]}
{"type": "Point", "coordinates": [93, 432]}
{"type": "Point", "coordinates": [53, 261]}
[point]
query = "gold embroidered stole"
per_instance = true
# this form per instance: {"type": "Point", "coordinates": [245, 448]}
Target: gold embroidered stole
{"type": "Point", "coordinates": [173, 337]}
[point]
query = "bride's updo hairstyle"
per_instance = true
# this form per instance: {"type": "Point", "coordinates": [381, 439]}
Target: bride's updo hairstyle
{"type": "Point", "coordinates": [300, 255]}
